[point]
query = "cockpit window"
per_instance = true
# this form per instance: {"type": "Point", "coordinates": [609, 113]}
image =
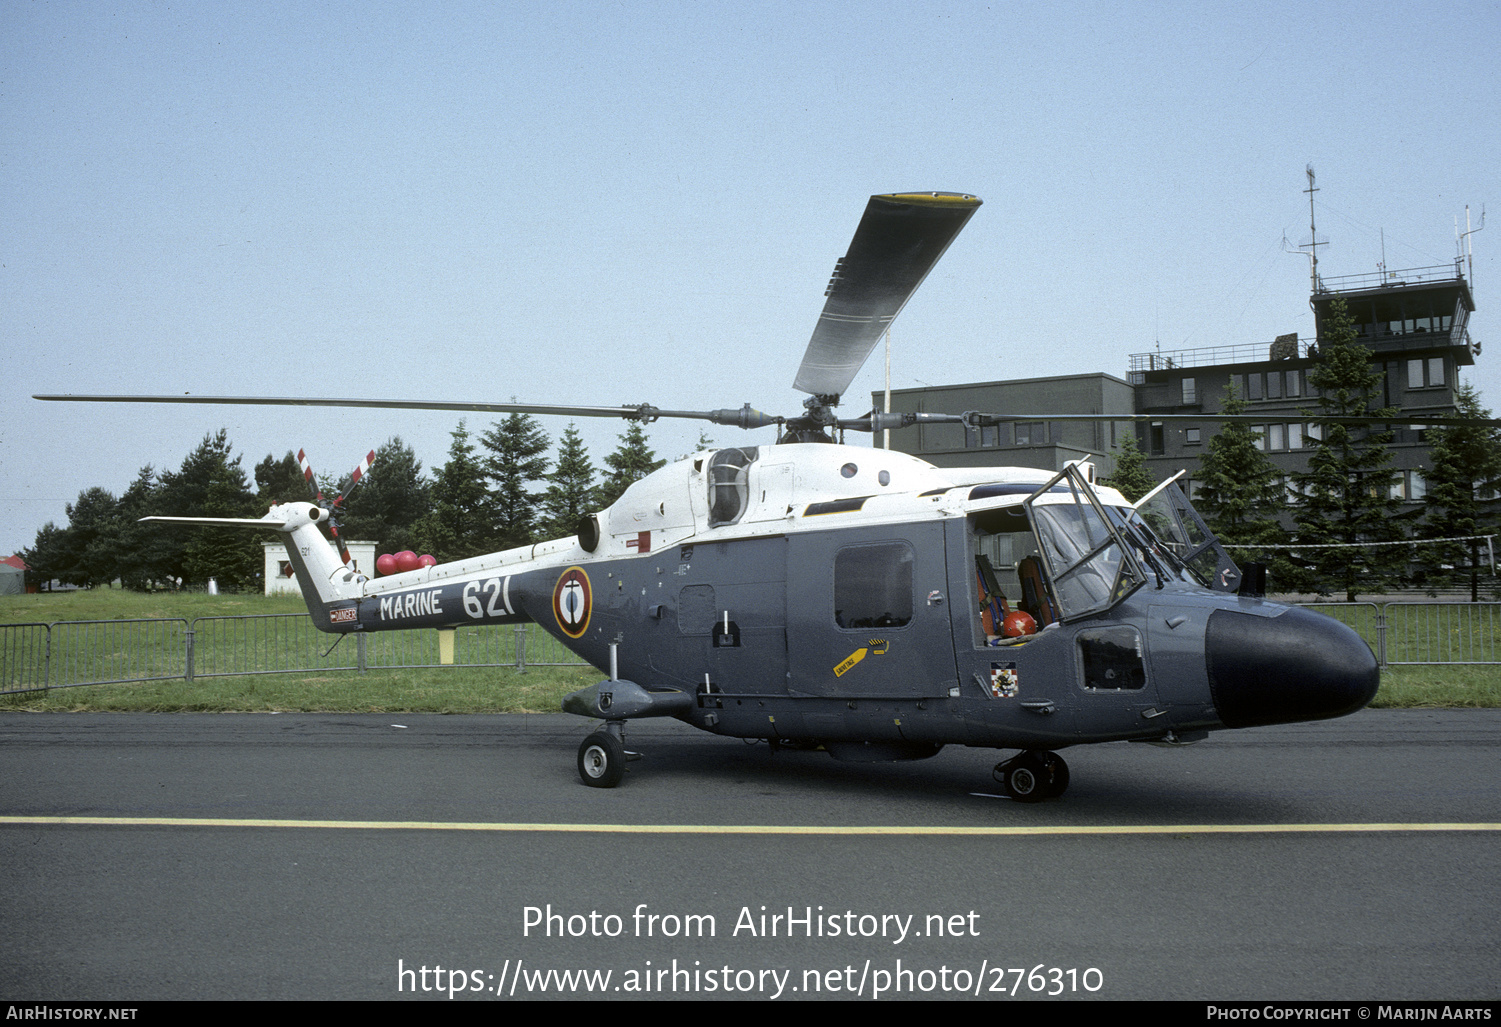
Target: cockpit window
{"type": "Point", "coordinates": [1175, 522]}
{"type": "Point", "coordinates": [729, 488]}
{"type": "Point", "coordinates": [1089, 564]}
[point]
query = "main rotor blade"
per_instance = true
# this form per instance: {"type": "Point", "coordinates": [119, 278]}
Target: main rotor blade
{"type": "Point", "coordinates": [745, 417]}
{"type": "Point", "coordinates": [1399, 418]}
{"type": "Point", "coordinates": [900, 238]}
{"type": "Point", "coordinates": [874, 422]}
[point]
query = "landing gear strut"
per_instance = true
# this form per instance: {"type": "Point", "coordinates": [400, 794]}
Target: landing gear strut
{"type": "Point", "coordinates": [1032, 776]}
{"type": "Point", "coordinates": [602, 756]}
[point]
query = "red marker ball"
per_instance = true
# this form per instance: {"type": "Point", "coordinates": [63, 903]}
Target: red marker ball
{"type": "Point", "coordinates": [406, 560]}
{"type": "Point", "coordinates": [1017, 624]}
{"type": "Point", "coordinates": [385, 564]}
{"type": "Point", "coordinates": [427, 560]}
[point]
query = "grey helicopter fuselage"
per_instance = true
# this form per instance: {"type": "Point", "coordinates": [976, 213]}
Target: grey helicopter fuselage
{"type": "Point", "coordinates": [829, 594]}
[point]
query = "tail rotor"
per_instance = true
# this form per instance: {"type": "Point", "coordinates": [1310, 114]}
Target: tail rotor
{"type": "Point", "coordinates": [332, 506]}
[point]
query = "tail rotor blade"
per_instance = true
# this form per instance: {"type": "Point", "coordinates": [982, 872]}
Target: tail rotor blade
{"type": "Point", "coordinates": [309, 477]}
{"type": "Point", "coordinates": [354, 479]}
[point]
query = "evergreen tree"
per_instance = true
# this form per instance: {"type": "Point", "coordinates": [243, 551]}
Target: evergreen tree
{"type": "Point", "coordinates": [1346, 491]}
{"type": "Point", "coordinates": [632, 460]}
{"type": "Point", "coordinates": [87, 555]}
{"type": "Point", "coordinates": [703, 443]}
{"type": "Point", "coordinates": [211, 483]}
{"type": "Point", "coordinates": [1239, 493]}
{"type": "Point", "coordinates": [145, 551]}
{"type": "Point", "coordinates": [280, 481]}
{"type": "Point", "coordinates": [516, 445]}
{"type": "Point", "coordinates": [1465, 466]}
{"type": "Point", "coordinates": [1131, 478]}
{"type": "Point", "coordinates": [45, 559]}
{"type": "Point", "coordinates": [389, 501]}
{"type": "Point", "coordinates": [570, 493]}
{"type": "Point", "coordinates": [460, 524]}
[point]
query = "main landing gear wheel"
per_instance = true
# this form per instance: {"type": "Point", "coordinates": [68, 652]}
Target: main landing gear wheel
{"type": "Point", "coordinates": [601, 760]}
{"type": "Point", "coordinates": [1033, 776]}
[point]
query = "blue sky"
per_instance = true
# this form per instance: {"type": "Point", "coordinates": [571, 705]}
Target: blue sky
{"type": "Point", "coordinates": [609, 203]}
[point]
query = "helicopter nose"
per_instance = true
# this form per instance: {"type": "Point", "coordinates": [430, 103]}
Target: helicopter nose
{"type": "Point", "coordinates": [1296, 666]}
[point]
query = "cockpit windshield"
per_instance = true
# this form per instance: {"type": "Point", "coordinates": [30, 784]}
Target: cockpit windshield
{"type": "Point", "coordinates": [1092, 559]}
{"type": "Point", "coordinates": [1179, 530]}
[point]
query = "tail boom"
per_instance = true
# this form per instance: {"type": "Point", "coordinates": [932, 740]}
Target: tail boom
{"type": "Point", "coordinates": [328, 586]}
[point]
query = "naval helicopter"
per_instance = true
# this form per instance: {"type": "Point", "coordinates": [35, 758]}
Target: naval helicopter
{"type": "Point", "coordinates": [861, 600]}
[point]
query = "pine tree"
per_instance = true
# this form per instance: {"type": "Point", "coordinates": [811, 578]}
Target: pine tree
{"type": "Point", "coordinates": [1239, 493]}
{"type": "Point", "coordinates": [571, 492]}
{"type": "Point", "coordinates": [516, 445]}
{"type": "Point", "coordinates": [389, 500]}
{"type": "Point", "coordinates": [211, 483]}
{"type": "Point", "coordinates": [460, 524]}
{"type": "Point", "coordinates": [1346, 492]}
{"type": "Point", "coordinates": [145, 551]}
{"type": "Point", "coordinates": [280, 481]}
{"type": "Point", "coordinates": [87, 554]}
{"type": "Point", "coordinates": [631, 461]}
{"type": "Point", "coordinates": [45, 559]}
{"type": "Point", "coordinates": [1465, 466]}
{"type": "Point", "coordinates": [1131, 478]}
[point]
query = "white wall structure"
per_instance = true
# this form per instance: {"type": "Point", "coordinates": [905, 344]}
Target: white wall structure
{"type": "Point", "coordinates": [277, 573]}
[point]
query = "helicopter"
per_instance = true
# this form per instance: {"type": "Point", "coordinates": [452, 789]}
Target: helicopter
{"type": "Point", "coordinates": [860, 600]}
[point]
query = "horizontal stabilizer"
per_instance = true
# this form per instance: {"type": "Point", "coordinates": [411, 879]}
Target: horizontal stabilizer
{"type": "Point", "coordinates": [223, 522]}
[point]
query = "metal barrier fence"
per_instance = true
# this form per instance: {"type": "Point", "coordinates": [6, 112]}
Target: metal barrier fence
{"type": "Point", "coordinates": [1443, 633]}
{"type": "Point", "coordinates": [65, 654]}
{"type": "Point", "coordinates": [23, 657]}
{"type": "Point", "coordinates": [1424, 633]}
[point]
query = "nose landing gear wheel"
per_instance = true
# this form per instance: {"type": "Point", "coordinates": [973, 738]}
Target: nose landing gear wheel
{"type": "Point", "coordinates": [601, 760]}
{"type": "Point", "coordinates": [1032, 776]}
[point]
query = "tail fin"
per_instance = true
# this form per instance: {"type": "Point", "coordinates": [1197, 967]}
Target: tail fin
{"type": "Point", "coordinates": [325, 580]}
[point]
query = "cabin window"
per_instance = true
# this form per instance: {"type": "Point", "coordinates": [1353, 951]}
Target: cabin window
{"type": "Point", "coordinates": [1110, 659]}
{"type": "Point", "coordinates": [873, 586]}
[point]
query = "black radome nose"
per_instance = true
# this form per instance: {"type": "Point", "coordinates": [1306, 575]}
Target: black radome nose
{"type": "Point", "coordinates": [1296, 666]}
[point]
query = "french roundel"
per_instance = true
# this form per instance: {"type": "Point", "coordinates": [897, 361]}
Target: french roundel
{"type": "Point", "coordinates": [572, 601]}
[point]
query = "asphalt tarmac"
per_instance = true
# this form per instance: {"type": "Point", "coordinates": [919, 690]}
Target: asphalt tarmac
{"type": "Point", "coordinates": [239, 856]}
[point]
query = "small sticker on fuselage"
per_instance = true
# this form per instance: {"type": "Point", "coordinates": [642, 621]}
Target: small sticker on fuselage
{"type": "Point", "coordinates": [1005, 683]}
{"type": "Point", "coordinates": [877, 647]}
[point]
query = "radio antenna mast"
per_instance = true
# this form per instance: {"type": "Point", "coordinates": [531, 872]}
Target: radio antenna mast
{"type": "Point", "coordinates": [1313, 233]}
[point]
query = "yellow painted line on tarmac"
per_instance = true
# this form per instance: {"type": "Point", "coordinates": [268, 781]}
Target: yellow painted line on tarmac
{"type": "Point", "coordinates": [765, 829]}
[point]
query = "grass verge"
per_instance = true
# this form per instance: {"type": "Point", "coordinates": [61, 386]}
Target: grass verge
{"type": "Point", "coordinates": [1437, 686]}
{"type": "Point", "coordinates": [435, 690]}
